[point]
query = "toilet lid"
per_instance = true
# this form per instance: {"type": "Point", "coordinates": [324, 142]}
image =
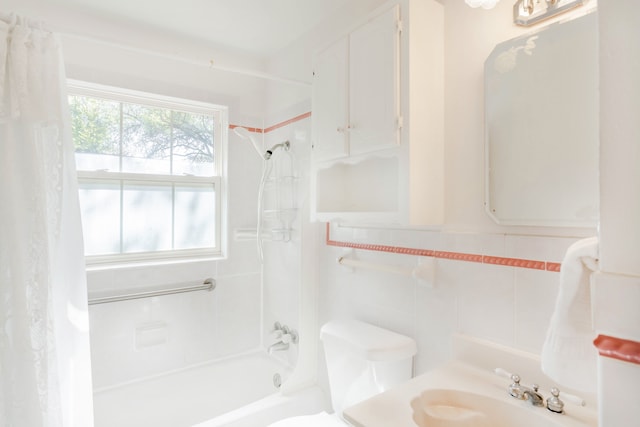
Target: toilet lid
{"type": "Point", "coordinates": [318, 420]}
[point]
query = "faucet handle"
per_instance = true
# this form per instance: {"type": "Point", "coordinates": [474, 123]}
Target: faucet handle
{"type": "Point", "coordinates": [289, 336]}
{"type": "Point", "coordinates": [502, 373]}
{"type": "Point", "coordinates": [571, 398]}
{"type": "Point", "coordinates": [515, 389]}
{"type": "Point", "coordinates": [554, 404]}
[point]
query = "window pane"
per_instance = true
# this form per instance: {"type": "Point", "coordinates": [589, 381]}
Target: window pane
{"type": "Point", "coordinates": [146, 139]}
{"type": "Point", "coordinates": [100, 209]}
{"type": "Point", "coordinates": [195, 216]}
{"type": "Point", "coordinates": [146, 217]}
{"type": "Point", "coordinates": [192, 144]}
{"type": "Point", "coordinates": [124, 215]}
{"type": "Point", "coordinates": [95, 126]}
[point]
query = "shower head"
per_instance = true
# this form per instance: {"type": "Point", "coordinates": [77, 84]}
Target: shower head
{"type": "Point", "coordinates": [285, 145]}
{"type": "Point", "coordinates": [245, 134]}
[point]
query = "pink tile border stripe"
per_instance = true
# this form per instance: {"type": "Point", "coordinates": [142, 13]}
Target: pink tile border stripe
{"type": "Point", "coordinates": [288, 122]}
{"type": "Point", "coordinates": [618, 348]}
{"type": "Point", "coordinates": [276, 126]}
{"type": "Point", "coordinates": [457, 256]}
{"type": "Point", "coordinates": [250, 129]}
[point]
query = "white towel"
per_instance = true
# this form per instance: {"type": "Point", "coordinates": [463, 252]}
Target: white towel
{"type": "Point", "coordinates": [568, 353]}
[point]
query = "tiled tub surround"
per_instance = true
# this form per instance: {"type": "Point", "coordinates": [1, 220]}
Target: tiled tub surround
{"type": "Point", "coordinates": [136, 339]}
{"type": "Point", "coordinates": [153, 347]}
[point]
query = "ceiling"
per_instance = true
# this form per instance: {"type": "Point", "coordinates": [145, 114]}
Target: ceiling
{"type": "Point", "coordinates": [257, 27]}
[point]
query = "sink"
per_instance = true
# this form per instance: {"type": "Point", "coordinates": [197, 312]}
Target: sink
{"type": "Point", "coordinates": [460, 395]}
{"type": "Point", "coordinates": [457, 408]}
{"type": "Point", "coordinates": [465, 392]}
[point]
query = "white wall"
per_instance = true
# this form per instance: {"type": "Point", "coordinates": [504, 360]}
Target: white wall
{"type": "Point", "coordinates": [510, 305]}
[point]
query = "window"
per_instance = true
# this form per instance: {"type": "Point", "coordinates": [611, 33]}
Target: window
{"type": "Point", "coordinates": [149, 174]}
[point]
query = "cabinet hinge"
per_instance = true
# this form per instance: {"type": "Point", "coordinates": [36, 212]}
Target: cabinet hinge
{"type": "Point", "coordinates": [399, 26]}
{"type": "Point", "coordinates": [400, 122]}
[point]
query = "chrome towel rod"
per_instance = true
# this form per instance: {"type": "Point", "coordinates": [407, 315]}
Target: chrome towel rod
{"type": "Point", "coordinates": [208, 285]}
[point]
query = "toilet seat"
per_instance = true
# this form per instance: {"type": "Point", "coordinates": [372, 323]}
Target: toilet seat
{"type": "Point", "coordinates": [322, 419]}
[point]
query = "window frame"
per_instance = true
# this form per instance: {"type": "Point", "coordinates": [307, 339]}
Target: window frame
{"type": "Point", "coordinates": [220, 131]}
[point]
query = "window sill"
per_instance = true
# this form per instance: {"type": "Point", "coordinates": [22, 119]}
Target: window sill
{"type": "Point", "coordinates": [103, 265]}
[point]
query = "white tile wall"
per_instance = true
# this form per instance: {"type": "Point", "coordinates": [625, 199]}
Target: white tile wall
{"type": "Point", "coordinates": [507, 305]}
{"type": "Point", "coordinates": [188, 328]}
{"type": "Point", "coordinates": [535, 297]}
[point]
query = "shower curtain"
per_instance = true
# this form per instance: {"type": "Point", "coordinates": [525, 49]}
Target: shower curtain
{"type": "Point", "coordinates": [45, 376]}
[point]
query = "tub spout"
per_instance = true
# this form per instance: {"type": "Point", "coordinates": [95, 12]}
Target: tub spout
{"type": "Point", "coordinates": [286, 336]}
{"type": "Point", "coordinates": [279, 346]}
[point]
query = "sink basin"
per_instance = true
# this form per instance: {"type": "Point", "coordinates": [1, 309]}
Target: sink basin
{"type": "Point", "coordinates": [457, 408]}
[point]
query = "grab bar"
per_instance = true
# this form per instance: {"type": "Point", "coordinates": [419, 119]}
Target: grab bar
{"type": "Point", "coordinates": [208, 285]}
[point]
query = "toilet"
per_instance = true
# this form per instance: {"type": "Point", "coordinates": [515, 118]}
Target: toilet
{"type": "Point", "coordinates": [362, 360]}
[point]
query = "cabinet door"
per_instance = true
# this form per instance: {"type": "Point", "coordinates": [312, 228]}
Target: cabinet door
{"type": "Point", "coordinates": [374, 116]}
{"type": "Point", "coordinates": [330, 92]}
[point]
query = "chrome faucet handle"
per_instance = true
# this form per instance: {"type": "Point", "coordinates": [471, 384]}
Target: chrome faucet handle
{"type": "Point", "coordinates": [571, 398]}
{"type": "Point", "coordinates": [554, 404]}
{"type": "Point", "coordinates": [515, 389]}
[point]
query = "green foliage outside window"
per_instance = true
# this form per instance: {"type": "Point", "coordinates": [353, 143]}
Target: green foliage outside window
{"type": "Point", "coordinates": [120, 129]}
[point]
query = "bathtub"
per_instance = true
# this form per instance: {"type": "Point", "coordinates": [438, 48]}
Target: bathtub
{"type": "Point", "coordinates": [235, 392]}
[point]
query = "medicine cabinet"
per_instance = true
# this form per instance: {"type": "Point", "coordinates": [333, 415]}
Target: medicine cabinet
{"type": "Point", "coordinates": [541, 124]}
{"type": "Point", "coordinates": [377, 119]}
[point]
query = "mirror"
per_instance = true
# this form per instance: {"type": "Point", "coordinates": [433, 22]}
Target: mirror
{"type": "Point", "coordinates": [541, 127]}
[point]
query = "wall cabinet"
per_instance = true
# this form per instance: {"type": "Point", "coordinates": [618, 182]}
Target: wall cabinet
{"type": "Point", "coordinates": [346, 74]}
{"type": "Point", "coordinates": [377, 119]}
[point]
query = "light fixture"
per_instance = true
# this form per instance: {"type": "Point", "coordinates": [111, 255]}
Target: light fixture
{"type": "Point", "coordinates": [529, 12]}
{"type": "Point", "coordinates": [485, 4]}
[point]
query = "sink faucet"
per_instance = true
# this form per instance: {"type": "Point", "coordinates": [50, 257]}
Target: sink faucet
{"type": "Point", "coordinates": [522, 392]}
{"type": "Point", "coordinates": [532, 395]}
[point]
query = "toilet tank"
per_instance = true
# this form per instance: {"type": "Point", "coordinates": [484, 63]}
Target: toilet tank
{"type": "Point", "coordinates": [364, 360]}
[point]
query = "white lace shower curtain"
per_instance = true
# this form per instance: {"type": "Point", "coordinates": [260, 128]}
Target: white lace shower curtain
{"type": "Point", "coordinates": [45, 376]}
